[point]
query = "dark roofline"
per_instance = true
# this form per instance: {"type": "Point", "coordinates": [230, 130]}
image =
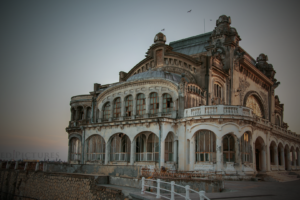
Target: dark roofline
{"type": "Point", "coordinates": [196, 36]}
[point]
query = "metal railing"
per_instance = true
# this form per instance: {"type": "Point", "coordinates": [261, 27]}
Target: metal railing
{"type": "Point", "coordinates": [120, 157]}
{"type": "Point", "coordinates": [173, 193]}
{"type": "Point", "coordinates": [95, 156]}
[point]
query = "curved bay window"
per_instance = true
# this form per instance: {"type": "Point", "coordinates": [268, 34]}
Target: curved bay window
{"type": "Point", "coordinates": [128, 106]}
{"type": "Point", "coordinates": [117, 108]}
{"type": "Point", "coordinates": [253, 103]}
{"type": "Point", "coordinates": [75, 151]}
{"type": "Point", "coordinates": [205, 142]}
{"type": "Point", "coordinates": [169, 147]}
{"type": "Point", "coordinates": [167, 103]}
{"type": "Point", "coordinates": [141, 104]}
{"type": "Point", "coordinates": [106, 111]}
{"type": "Point", "coordinates": [154, 104]}
{"type": "Point", "coordinates": [228, 148]}
{"type": "Point", "coordinates": [120, 148]}
{"type": "Point", "coordinates": [246, 148]}
{"type": "Point", "coordinates": [95, 148]}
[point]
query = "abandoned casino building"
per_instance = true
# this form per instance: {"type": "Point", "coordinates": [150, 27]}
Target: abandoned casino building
{"type": "Point", "coordinates": [198, 104]}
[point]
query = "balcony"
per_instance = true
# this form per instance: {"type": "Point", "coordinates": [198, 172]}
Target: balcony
{"type": "Point", "coordinates": [218, 110]}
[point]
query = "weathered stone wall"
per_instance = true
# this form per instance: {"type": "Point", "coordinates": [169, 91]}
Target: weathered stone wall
{"type": "Point", "coordinates": [42, 185]}
{"type": "Point", "coordinates": [104, 170]}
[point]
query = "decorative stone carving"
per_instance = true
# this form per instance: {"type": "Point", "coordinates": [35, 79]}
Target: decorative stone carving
{"type": "Point", "coordinates": [243, 85]}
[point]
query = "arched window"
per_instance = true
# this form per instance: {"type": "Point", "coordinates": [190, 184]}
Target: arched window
{"type": "Point", "coordinates": [228, 148]}
{"type": "Point", "coordinates": [80, 113]}
{"type": "Point", "coordinates": [253, 103]}
{"type": "Point", "coordinates": [88, 113]}
{"type": "Point", "coordinates": [106, 111]}
{"type": "Point", "coordinates": [205, 142]}
{"type": "Point", "coordinates": [117, 108]}
{"type": "Point", "coordinates": [246, 148]}
{"type": "Point", "coordinates": [75, 149]}
{"type": "Point", "coordinates": [154, 104]}
{"type": "Point", "coordinates": [128, 106]}
{"type": "Point", "coordinates": [141, 104]}
{"type": "Point", "coordinates": [120, 148]}
{"type": "Point", "coordinates": [95, 148]}
{"type": "Point", "coordinates": [169, 147]}
{"type": "Point", "coordinates": [217, 90]}
{"type": "Point", "coordinates": [73, 114]}
{"type": "Point", "coordinates": [277, 120]}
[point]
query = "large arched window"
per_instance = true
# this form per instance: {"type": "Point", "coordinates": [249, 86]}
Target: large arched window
{"type": "Point", "coordinates": [253, 103]}
{"type": "Point", "coordinates": [141, 104]}
{"type": "Point", "coordinates": [167, 103]}
{"type": "Point", "coordinates": [95, 148]}
{"type": "Point", "coordinates": [117, 108]}
{"type": "Point", "coordinates": [152, 147]}
{"type": "Point", "coordinates": [205, 142]}
{"type": "Point", "coordinates": [228, 148]}
{"type": "Point", "coordinates": [169, 147]}
{"type": "Point", "coordinates": [75, 150]}
{"type": "Point", "coordinates": [80, 112]}
{"type": "Point", "coordinates": [120, 148]}
{"type": "Point", "coordinates": [246, 148]}
{"type": "Point", "coordinates": [154, 104]}
{"type": "Point", "coordinates": [128, 106]}
{"type": "Point", "coordinates": [106, 111]}
{"type": "Point", "coordinates": [73, 114]}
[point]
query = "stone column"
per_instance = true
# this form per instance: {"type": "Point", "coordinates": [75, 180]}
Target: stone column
{"type": "Point", "coordinates": [276, 157]}
{"type": "Point", "coordinates": [84, 113]}
{"type": "Point", "coordinates": [219, 152]}
{"type": "Point", "coordinates": [132, 152]}
{"type": "Point", "coordinates": [192, 153]}
{"type": "Point", "coordinates": [282, 157]}
{"type": "Point", "coordinates": [288, 161]}
{"type": "Point", "coordinates": [107, 152]}
{"type": "Point", "coordinates": [111, 115]}
{"type": "Point", "coordinates": [71, 114]}
{"type": "Point", "coordinates": [175, 151]}
{"type": "Point", "coordinates": [76, 114]}
{"type": "Point", "coordinates": [147, 99]}
{"type": "Point", "coordinates": [160, 101]}
{"type": "Point", "coordinates": [238, 159]}
{"type": "Point", "coordinates": [133, 106]}
{"type": "Point", "coordinates": [162, 152]}
{"type": "Point", "coordinates": [294, 159]}
{"type": "Point", "coordinates": [122, 108]}
{"type": "Point", "coordinates": [264, 158]}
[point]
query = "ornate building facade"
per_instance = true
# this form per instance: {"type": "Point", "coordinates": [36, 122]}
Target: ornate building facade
{"type": "Point", "coordinates": [200, 103]}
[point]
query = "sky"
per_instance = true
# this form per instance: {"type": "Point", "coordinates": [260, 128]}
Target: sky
{"type": "Point", "coordinates": [53, 50]}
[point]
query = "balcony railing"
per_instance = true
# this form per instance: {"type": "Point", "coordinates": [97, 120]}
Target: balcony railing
{"type": "Point", "coordinates": [75, 156]}
{"type": "Point", "coordinates": [147, 156]}
{"type": "Point", "coordinates": [125, 157]}
{"type": "Point", "coordinates": [218, 110]}
{"type": "Point", "coordinates": [99, 157]}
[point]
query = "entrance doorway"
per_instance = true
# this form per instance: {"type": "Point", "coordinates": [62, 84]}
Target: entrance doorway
{"type": "Point", "coordinates": [260, 154]}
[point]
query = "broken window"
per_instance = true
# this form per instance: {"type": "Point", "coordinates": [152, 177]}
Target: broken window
{"type": "Point", "coordinates": [117, 108]}
{"type": "Point", "coordinates": [120, 148]}
{"type": "Point", "coordinates": [141, 104]}
{"type": "Point", "coordinates": [154, 104]}
{"type": "Point", "coordinates": [167, 103]}
{"type": "Point", "coordinates": [128, 106]}
{"type": "Point", "coordinates": [106, 111]}
{"type": "Point", "coordinates": [205, 142]}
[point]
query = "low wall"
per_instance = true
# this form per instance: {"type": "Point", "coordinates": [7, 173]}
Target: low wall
{"type": "Point", "coordinates": [106, 170]}
{"type": "Point", "coordinates": [195, 184]}
{"type": "Point", "coordinates": [41, 185]}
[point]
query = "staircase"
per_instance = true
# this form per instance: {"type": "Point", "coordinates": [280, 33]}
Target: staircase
{"type": "Point", "coordinates": [283, 176]}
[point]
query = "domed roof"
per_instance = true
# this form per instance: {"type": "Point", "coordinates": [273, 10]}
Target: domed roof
{"type": "Point", "coordinates": [156, 74]}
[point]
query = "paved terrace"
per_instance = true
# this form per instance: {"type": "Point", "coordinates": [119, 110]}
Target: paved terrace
{"type": "Point", "coordinates": [245, 190]}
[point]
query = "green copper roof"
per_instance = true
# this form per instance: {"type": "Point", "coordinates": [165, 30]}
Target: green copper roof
{"type": "Point", "coordinates": [191, 45]}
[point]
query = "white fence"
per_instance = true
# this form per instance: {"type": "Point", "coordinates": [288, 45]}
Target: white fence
{"type": "Point", "coordinates": [173, 193]}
